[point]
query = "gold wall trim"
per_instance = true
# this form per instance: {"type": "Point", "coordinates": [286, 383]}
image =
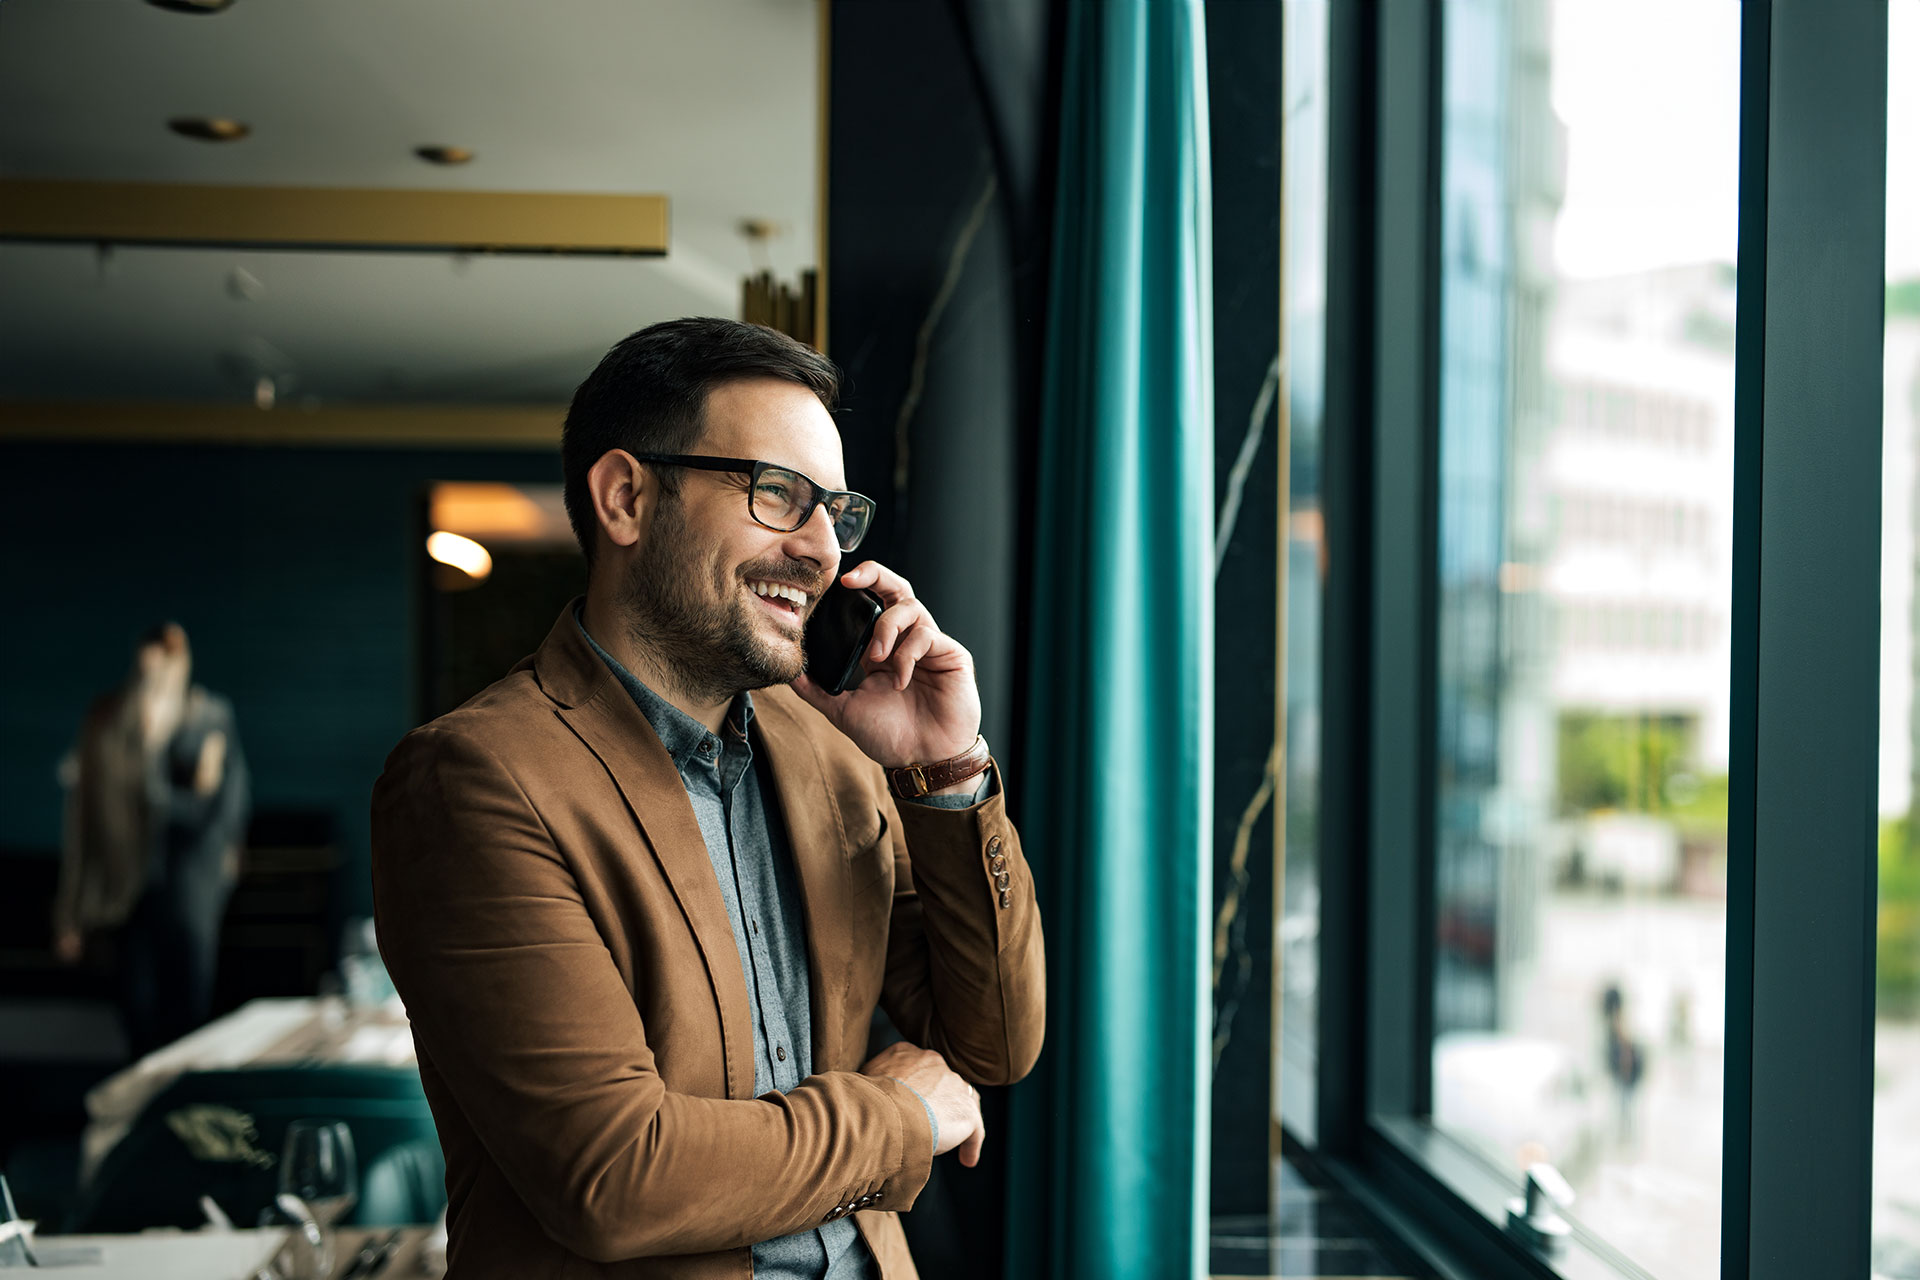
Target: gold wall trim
{"type": "Point", "coordinates": [823, 125]}
{"type": "Point", "coordinates": [333, 217]}
{"type": "Point", "coordinates": [344, 426]}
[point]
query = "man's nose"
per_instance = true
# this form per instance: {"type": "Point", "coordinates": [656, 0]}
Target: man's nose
{"type": "Point", "coordinates": [815, 540]}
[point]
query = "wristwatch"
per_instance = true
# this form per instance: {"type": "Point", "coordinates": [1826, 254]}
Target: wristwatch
{"type": "Point", "coordinates": [916, 780]}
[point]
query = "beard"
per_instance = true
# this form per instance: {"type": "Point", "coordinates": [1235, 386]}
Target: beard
{"type": "Point", "coordinates": [709, 645]}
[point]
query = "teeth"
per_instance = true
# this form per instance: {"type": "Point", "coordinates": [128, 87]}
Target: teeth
{"type": "Point", "coordinates": [780, 591]}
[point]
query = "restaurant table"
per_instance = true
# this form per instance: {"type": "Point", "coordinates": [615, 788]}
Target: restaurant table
{"type": "Point", "coordinates": [270, 1032]}
{"type": "Point", "coordinates": [221, 1255]}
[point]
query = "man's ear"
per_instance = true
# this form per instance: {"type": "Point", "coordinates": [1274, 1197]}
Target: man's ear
{"type": "Point", "coordinates": [624, 494]}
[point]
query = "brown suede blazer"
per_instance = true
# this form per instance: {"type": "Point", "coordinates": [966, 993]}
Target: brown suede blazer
{"type": "Point", "coordinates": [549, 914]}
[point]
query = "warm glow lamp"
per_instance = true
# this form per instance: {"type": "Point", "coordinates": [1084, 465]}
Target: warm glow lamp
{"type": "Point", "coordinates": [464, 554]}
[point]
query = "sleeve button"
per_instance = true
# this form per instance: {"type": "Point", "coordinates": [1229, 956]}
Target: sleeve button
{"type": "Point", "coordinates": [1006, 898]}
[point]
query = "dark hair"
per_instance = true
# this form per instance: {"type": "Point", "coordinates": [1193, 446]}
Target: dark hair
{"type": "Point", "coordinates": [162, 635]}
{"type": "Point", "coordinates": [649, 395]}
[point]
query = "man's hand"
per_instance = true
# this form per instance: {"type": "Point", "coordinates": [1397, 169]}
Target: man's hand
{"type": "Point", "coordinates": [955, 1104]}
{"type": "Point", "coordinates": [918, 703]}
{"type": "Point", "coordinates": [212, 763]}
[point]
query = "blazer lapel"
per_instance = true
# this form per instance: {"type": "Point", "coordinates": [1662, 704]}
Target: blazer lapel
{"type": "Point", "coordinates": [601, 714]}
{"type": "Point", "coordinates": [819, 844]}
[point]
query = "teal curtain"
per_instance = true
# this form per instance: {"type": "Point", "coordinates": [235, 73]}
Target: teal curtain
{"type": "Point", "coordinates": [1108, 1140]}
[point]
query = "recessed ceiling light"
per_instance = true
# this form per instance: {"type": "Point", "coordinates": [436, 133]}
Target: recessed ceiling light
{"type": "Point", "coordinates": [443, 155]}
{"type": "Point", "coordinates": [209, 128]}
{"type": "Point", "coordinates": [191, 6]}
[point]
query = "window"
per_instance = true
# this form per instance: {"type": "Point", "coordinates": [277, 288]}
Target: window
{"type": "Point", "coordinates": [1896, 1077]}
{"type": "Point", "coordinates": [1303, 318]}
{"type": "Point", "coordinates": [1586, 365]}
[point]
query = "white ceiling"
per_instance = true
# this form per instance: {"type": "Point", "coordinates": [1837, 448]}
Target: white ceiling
{"type": "Point", "coordinates": [712, 103]}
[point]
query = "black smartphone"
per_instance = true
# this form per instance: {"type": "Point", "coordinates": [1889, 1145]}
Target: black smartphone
{"type": "Point", "coordinates": [838, 632]}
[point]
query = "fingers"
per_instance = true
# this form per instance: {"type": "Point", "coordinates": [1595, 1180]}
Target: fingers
{"type": "Point", "coordinates": [898, 619]}
{"type": "Point", "coordinates": [905, 635]}
{"type": "Point", "coordinates": [970, 1149]}
{"type": "Point", "coordinates": [895, 1052]}
{"type": "Point", "coordinates": [884, 582]}
{"type": "Point", "coordinates": [914, 646]}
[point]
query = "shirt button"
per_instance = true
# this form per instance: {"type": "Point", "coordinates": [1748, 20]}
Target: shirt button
{"type": "Point", "coordinates": [706, 746]}
{"type": "Point", "coordinates": [755, 926]}
{"type": "Point", "coordinates": [780, 1052]}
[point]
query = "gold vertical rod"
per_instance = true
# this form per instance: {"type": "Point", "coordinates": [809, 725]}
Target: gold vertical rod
{"type": "Point", "coordinates": [1283, 449]}
{"type": "Point", "coordinates": [822, 98]}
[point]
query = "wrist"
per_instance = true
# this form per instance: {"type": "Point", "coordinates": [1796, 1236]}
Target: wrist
{"type": "Point", "coordinates": [950, 776]}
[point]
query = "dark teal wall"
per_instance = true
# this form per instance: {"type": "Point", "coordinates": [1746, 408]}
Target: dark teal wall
{"type": "Point", "coordinates": [293, 572]}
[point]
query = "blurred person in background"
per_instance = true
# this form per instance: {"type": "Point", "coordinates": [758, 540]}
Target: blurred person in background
{"type": "Point", "coordinates": [156, 811]}
{"type": "Point", "coordinates": [1626, 1059]}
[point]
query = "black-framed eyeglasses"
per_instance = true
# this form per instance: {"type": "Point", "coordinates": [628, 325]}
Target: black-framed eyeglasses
{"type": "Point", "coordinates": [781, 498]}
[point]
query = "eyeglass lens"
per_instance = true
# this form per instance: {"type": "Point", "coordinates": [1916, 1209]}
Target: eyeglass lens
{"type": "Point", "coordinates": [784, 500]}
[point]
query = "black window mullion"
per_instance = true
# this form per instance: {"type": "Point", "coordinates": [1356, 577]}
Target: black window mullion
{"type": "Point", "coordinates": [1405, 390]}
{"type": "Point", "coordinates": [1803, 803]}
{"type": "Point", "coordinates": [1346, 671]}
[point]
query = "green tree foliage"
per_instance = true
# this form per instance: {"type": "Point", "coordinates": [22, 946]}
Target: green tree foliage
{"type": "Point", "coordinates": [1903, 298]}
{"type": "Point", "coordinates": [1897, 969]}
{"type": "Point", "coordinates": [1633, 763]}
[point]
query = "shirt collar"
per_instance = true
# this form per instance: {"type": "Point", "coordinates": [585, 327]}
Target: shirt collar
{"type": "Point", "coordinates": [679, 732]}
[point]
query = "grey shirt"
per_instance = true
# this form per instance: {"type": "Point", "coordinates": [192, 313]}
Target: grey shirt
{"type": "Point", "coordinates": [747, 844]}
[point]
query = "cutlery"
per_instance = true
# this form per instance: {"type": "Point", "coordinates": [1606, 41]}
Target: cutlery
{"type": "Point", "coordinates": [373, 1258]}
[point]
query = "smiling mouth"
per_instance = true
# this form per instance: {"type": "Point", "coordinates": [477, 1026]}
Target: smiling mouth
{"type": "Point", "coordinates": [782, 598]}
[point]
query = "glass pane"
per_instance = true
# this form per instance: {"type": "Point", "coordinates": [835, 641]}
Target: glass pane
{"type": "Point", "coordinates": [1896, 1066]}
{"type": "Point", "coordinates": [1589, 212]}
{"type": "Point", "coordinates": [1304, 324]}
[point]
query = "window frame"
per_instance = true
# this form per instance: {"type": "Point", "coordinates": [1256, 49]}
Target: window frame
{"type": "Point", "coordinates": [1805, 663]}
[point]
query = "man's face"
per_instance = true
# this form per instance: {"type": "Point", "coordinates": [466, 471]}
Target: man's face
{"type": "Point", "coordinates": [690, 595]}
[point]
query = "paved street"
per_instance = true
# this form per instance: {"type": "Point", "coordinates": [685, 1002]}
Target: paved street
{"type": "Point", "coordinates": [1654, 1189]}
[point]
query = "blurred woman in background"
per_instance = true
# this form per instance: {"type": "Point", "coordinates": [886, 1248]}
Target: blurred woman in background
{"type": "Point", "coordinates": [156, 811]}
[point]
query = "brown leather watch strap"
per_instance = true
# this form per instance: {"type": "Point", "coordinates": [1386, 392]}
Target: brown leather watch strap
{"type": "Point", "coordinates": [916, 780]}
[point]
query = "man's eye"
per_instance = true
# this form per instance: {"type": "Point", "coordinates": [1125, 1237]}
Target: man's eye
{"type": "Point", "coordinates": [770, 489]}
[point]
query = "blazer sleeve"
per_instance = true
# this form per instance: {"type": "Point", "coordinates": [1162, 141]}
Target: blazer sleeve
{"type": "Point", "coordinates": [518, 1003]}
{"type": "Point", "coordinates": [966, 966]}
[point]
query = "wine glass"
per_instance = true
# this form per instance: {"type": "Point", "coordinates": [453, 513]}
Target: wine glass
{"type": "Point", "coordinates": [318, 1183]}
{"type": "Point", "coordinates": [317, 1165]}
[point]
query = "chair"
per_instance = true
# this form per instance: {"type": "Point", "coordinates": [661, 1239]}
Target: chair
{"type": "Point", "coordinates": [219, 1134]}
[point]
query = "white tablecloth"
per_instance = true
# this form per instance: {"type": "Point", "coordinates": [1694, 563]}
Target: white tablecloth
{"type": "Point", "coordinates": [171, 1255]}
{"type": "Point", "coordinates": [221, 1255]}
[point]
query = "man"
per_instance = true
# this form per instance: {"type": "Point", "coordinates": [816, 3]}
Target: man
{"type": "Point", "coordinates": [642, 896]}
{"type": "Point", "coordinates": [156, 813]}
